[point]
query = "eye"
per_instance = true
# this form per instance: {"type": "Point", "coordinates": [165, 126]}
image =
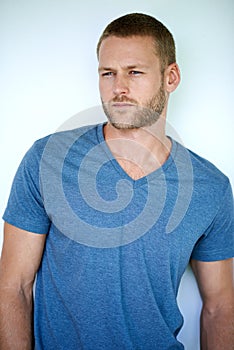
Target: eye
{"type": "Point", "coordinates": [107, 74]}
{"type": "Point", "coordinates": [135, 72]}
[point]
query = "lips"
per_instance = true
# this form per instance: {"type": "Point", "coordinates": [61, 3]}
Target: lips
{"type": "Point", "coordinates": [122, 104]}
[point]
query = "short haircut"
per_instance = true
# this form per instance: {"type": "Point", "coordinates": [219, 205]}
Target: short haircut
{"type": "Point", "coordinates": [139, 24]}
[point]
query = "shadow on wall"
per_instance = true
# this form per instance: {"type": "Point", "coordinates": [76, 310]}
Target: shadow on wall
{"type": "Point", "coordinates": [190, 304]}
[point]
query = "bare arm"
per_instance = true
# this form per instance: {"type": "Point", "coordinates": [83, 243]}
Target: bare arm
{"type": "Point", "coordinates": [215, 281]}
{"type": "Point", "coordinates": [21, 256]}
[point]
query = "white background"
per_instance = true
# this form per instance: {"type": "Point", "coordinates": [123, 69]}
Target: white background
{"type": "Point", "coordinates": [48, 73]}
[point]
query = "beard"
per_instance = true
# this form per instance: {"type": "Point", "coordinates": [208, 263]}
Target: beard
{"type": "Point", "coordinates": [135, 116]}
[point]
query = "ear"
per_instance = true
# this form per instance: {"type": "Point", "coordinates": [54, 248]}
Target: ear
{"type": "Point", "coordinates": [172, 77]}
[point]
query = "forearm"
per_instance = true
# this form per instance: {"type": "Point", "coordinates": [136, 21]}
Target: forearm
{"type": "Point", "coordinates": [217, 329]}
{"type": "Point", "coordinates": [15, 320]}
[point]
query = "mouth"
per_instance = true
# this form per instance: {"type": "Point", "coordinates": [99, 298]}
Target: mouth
{"type": "Point", "coordinates": [122, 104]}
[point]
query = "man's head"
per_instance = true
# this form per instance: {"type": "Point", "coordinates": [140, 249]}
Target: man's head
{"type": "Point", "coordinates": [137, 70]}
{"type": "Point", "coordinates": [138, 24]}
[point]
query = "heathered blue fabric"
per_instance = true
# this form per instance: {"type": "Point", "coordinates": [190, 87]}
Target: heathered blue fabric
{"type": "Point", "coordinates": [121, 297]}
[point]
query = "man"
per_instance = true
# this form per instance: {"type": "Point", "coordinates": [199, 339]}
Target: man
{"type": "Point", "coordinates": [109, 250]}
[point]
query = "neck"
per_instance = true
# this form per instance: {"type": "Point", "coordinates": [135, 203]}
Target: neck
{"type": "Point", "coordinates": [139, 151]}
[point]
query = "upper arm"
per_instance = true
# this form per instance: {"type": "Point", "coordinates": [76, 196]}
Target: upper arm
{"type": "Point", "coordinates": [215, 281]}
{"type": "Point", "coordinates": [21, 256]}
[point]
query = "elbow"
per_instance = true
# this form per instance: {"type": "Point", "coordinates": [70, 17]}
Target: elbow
{"type": "Point", "coordinates": [212, 311]}
{"type": "Point", "coordinates": [17, 291]}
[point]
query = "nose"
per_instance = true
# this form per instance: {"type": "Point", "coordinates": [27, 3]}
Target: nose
{"type": "Point", "coordinates": [120, 86]}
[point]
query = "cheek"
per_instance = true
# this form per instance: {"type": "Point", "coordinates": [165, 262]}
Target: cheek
{"type": "Point", "coordinates": [143, 92]}
{"type": "Point", "coordinates": [145, 86]}
{"type": "Point", "coordinates": [152, 88]}
{"type": "Point", "coordinates": [105, 90]}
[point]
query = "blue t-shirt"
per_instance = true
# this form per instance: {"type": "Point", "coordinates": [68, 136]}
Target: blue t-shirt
{"type": "Point", "coordinates": [116, 248]}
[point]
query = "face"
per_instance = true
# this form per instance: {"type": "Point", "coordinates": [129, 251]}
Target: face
{"type": "Point", "coordinates": [130, 82]}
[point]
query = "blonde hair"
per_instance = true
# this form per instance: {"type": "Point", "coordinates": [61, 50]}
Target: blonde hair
{"type": "Point", "coordinates": [139, 24]}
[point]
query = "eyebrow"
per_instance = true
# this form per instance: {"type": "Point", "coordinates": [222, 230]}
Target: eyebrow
{"type": "Point", "coordinates": [104, 68]}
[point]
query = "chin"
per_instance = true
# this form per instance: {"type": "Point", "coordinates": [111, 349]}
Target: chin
{"type": "Point", "coordinates": [123, 126]}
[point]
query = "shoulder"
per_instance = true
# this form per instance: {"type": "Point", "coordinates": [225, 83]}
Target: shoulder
{"type": "Point", "coordinates": [204, 172]}
{"type": "Point", "coordinates": [40, 144]}
{"type": "Point", "coordinates": [59, 140]}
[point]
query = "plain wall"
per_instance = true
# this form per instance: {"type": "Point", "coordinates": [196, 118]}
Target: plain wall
{"type": "Point", "coordinates": [48, 71]}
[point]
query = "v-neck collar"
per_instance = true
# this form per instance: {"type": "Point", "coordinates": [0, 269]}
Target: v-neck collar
{"type": "Point", "coordinates": [145, 179]}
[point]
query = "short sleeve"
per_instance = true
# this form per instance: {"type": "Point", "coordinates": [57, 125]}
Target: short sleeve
{"type": "Point", "coordinates": [25, 208]}
{"type": "Point", "coordinates": [217, 243]}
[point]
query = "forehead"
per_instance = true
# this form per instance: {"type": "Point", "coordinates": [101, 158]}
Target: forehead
{"type": "Point", "coordinates": [128, 50]}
